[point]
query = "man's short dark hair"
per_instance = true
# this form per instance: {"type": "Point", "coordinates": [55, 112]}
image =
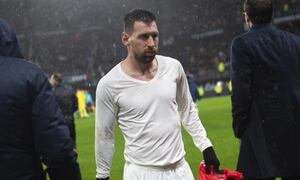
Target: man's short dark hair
{"type": "Point", "coordinates": [259, 11]}
{"type": "Point", "coordinates": [137, 15]}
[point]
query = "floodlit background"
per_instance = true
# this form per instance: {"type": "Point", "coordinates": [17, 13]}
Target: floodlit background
{"type": "Point", "coordinates": [81, 38]}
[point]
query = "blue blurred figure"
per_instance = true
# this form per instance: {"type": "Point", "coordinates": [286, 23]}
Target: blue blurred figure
{"type": "Point", "coordinates": [193, 90]}
{"type": "Point", "coordinates": [90, 105]}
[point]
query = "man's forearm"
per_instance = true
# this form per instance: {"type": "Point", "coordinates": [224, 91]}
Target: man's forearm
{"type": "Point", "coordinates": [104, 155]}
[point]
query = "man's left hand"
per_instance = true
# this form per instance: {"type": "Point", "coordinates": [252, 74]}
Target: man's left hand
{"type": "Point", "coordinates": [211, 160]}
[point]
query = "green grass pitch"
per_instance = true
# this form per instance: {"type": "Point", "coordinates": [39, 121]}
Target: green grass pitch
{"type": "Point", "coordinates": [215, 114]}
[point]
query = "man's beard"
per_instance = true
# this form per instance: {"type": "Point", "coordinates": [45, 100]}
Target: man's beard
{"type": "Point", "coordinates": [146, 58]}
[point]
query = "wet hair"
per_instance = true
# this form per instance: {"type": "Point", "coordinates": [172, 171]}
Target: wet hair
{"type": "Point", "coordinates": [57, 77]}
{"type": "Point", "coordinates": [137, 15]}
{"type": "Point", "coordinates": [259, 11]}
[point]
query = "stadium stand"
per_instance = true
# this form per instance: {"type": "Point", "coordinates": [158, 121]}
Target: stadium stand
{"type": "Point", "coordinates": [81, 38]}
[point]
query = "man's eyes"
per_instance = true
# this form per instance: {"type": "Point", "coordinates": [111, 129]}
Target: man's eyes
{"type": "Point", "coordinates": [146, 36]}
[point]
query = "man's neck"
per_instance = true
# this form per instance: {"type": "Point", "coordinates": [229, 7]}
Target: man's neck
{"type": "Point", "coordinates": [139, 70]}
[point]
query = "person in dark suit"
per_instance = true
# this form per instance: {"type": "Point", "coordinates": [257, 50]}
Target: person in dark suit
{"type": "Point", "coordinates": [67, 101]}
{"type": "Point", "coordinates": [193, 87]}
{"type": "Point", "coordinates": [265, 73]}
{"type": "Point", "coordinates": [32, 128]}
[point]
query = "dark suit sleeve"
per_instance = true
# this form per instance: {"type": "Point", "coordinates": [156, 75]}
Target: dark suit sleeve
{"type": "Point", "coordinates": [241, 72]}
{"type": "Point", "coordinates": [51, 135]}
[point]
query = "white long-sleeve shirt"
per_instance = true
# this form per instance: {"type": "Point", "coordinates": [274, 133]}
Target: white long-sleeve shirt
{"type": "Point", "coordinates": [149, 114]}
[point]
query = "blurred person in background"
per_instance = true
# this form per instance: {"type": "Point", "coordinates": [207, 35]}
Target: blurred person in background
{"type": "Point", "coordinates": [148, 95]}
{"type": "Point", "coordinates": [265, 73]}
{"type": "Point", "coordinates": [67, 101]}
{"type": "Point", "coordinates": [218, 88]}
{"type": "Point", "coordinates": [193, 88]}
{"type": "Point", "coordinates": [80, 93]}
{"type": "Point", "coordinates": [32, 128]}
{"type": "Point", "coordinates": [90, 105]}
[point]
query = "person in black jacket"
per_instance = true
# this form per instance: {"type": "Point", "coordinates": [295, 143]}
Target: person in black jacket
{"type": "Point", "coordinates": [67, 101]}
{"type": "Point", "coordinates": [32, 128]}
{"type": "Point", "coordinates": [265, 73]}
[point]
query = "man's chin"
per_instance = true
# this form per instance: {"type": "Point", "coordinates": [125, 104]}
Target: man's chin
{"type": "Point", "coordinates": [149, 58]}
{"type": "Point", "coordinates": [146, 58]}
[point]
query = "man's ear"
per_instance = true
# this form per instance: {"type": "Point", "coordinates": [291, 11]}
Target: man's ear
{"type": "Point", "coordinates": [125, 38]}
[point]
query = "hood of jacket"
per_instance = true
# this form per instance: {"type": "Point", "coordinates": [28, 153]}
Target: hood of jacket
{"type": "Point", "coordinates": [9, 46]}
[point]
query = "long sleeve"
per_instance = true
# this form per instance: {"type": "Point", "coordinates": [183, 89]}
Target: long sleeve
{"type": "Point", "coordinates": [104, 132]}
{"type": "Point", "coordinates": [241, 86]}
{"type": "Point", "coordinates": [188, 113]}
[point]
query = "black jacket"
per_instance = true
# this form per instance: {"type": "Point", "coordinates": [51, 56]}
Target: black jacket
{"type": "Point", "coordinates": [66, 99]}
{"type": "Point", "coordinates": [32, 128]}
{"type": "Point", "coordinates": [265, 72]}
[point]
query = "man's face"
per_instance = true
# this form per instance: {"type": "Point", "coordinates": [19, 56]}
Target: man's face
{"type": "Point", "coordinates": [52, 81]}
{"type": "Point", "coordinates": [248, 23]}
{"type": "Point", "coordinates": [142, 43]}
